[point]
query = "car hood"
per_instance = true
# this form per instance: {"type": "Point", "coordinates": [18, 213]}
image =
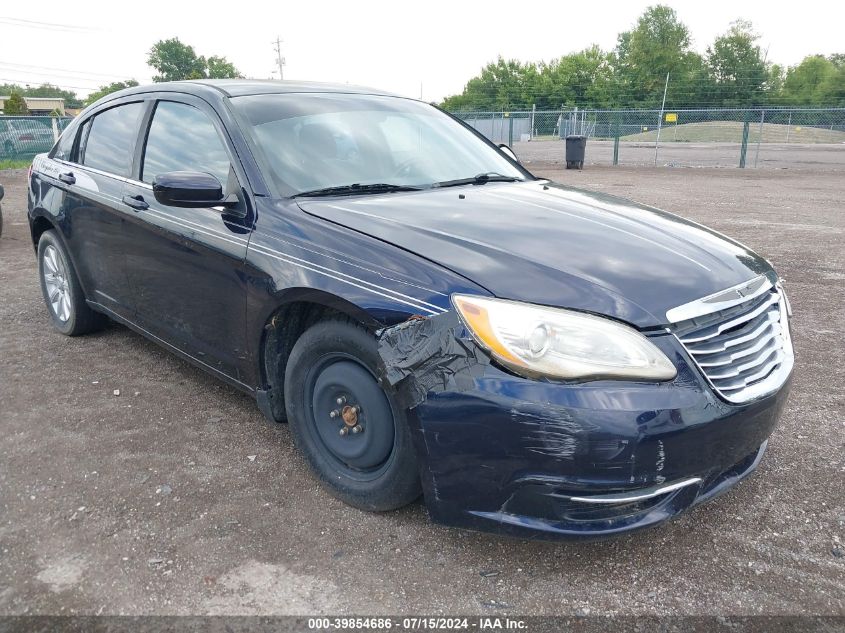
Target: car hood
{"type": "Point", "coordinates": [554, 245]}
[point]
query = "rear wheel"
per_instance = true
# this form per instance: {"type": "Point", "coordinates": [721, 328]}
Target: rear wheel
{"type": "Point", "coordinates": [354, 436]}
{"type": "Point", "coordinates": [61, 290]}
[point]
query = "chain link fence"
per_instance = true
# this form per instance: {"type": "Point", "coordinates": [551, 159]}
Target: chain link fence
{"type": "Point", "coordinates": [771, 137]}
{"type": "Point", "coordinates": [22, 137]}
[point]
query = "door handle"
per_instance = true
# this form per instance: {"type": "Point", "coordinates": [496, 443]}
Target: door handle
{"type": "Point", "coordinates": [136, 202]}
{"type": "Point", "coordinates": [68, 178]}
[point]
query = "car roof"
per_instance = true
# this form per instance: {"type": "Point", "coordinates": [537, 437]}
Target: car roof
{"type": "Point", "coordinates": [244, 87]}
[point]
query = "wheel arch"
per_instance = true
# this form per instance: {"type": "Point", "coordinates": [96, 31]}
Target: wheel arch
{"type": "Point", "coordinates": [295, 311]}
{"type": "Point", "coordinates": [40, 222]}
{"type": "Point", "coordinates": [39, 225]}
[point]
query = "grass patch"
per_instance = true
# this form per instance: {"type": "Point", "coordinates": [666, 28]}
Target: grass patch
{"type": "Point", "coordinates": [731, 132]}
{"type": "Point", "coordinates": [15, 163]}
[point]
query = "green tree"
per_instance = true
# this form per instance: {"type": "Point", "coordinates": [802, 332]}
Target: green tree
{"type": "Point", "coordinates": [501, 85]}
{"type": "Point", "coordinates": [832, 89]}
{"type": "Point", "coordinates": [584, 79]}
{"type": "Point", "coordinates": [176, 61]}
{"type": "Point", "coordinates": [737, 67]}
{"type": "Point", "coordinates": [809, 83]}
{"type": "Point", "coordinates": [733, 73]}
{"type": "Point", "coordinates": [775, 75]}
{"type": "Point", "coordinates": [658, 44]}
{"type": "Point", "coordinates": [110, 88]}
{"type": "Point", "coordinates": [220, 68]}
{"type": "Point", "coordinates": [15, 105]}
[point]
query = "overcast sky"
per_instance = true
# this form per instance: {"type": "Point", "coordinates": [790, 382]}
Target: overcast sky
{"type": "Point", "coordinates": [393, 45]}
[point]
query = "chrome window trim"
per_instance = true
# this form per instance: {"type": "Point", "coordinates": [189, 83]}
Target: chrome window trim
{"type": "Point", "coordinates": [100, 172]}
{"type": "Point", "coordinates": [721, 300]}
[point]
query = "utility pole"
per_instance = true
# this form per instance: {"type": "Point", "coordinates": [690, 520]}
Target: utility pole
{"type": "Point", "coordinates": [279, 57]}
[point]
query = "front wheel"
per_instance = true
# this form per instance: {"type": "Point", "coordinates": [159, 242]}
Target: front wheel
{"type": "Point", "coordinates": [61, 290]}
{"type": "Point", "coordinates": [353, 434]}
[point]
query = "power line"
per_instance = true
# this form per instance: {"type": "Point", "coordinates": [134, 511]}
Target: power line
{"type": "Point", "coordinates": [32, 72]}
{"type": "Point", "coordinates": [18, 82]}
{"type": "Point", "coordinates": [61, 70]}
{"type": "Point", "coordinates": [53, 26]}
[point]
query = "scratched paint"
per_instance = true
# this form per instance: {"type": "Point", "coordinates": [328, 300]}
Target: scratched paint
{"type": "Point", "coordinates": [661, 462]}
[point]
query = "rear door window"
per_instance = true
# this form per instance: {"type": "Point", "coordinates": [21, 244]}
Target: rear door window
{"type": "Point", "coordinates": [64, 149]}
{"type": "Point", "coordinates": [183, 138]}
{"type": "Point", "coordinates": [111, 139]}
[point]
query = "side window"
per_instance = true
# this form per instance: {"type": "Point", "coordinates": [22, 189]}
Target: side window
{"type": "Point", "coordinates": [64, 148]}
{"type": "Point", "coordinates": [182, 138]}
{"type": "Point", "coordinates": [111, 139]}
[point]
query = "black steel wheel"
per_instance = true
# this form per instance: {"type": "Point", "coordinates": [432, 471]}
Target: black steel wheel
{"type": "Point", "coordinates": [355, 437]}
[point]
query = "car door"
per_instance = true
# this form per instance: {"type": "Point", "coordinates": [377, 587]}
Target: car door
{"type": "Point", "coordinates": [186, 265]}
{"type": "Point", "coordinates": [92, 174]}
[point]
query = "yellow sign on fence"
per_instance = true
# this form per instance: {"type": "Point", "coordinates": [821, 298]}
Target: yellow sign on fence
{"type": "Point", "coordinates": [671, 117]}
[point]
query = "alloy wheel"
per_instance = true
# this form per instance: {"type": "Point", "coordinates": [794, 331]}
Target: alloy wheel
{"type": "Point", "coordinates": [55, 273]}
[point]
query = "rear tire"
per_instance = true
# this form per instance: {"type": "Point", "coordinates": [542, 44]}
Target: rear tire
{"type": "Point", "coordinates": [62, 292]}
{"type": "Point", "coordinates": [373, 468]}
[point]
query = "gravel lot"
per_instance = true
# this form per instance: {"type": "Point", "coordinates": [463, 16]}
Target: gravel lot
{"type": "Point", "coordinates": [812, 156]}
{"type": "Point", "coordinates": [174, 497]}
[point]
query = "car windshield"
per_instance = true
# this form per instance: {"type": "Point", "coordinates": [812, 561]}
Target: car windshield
{"type": "Point", "coordinates": [314, 142]}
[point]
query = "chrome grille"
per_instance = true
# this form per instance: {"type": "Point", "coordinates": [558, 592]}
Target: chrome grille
{"type": "Point", "coordinates": [743, 347]}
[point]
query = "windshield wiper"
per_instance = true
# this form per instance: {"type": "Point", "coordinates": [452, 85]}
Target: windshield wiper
{"type": "Point", "coordinates": [478, 179]}
{"type": "Point", "coordinates": [356, 189]}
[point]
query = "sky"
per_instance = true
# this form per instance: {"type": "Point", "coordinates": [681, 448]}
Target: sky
{"type": "Point", "coordinates": [417, 49]}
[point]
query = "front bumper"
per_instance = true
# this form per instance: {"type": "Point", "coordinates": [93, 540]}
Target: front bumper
{"type": "Point", "coordinates": [548, 460]}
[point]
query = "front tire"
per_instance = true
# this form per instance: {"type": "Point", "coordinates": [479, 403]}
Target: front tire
{"type": "Point", "coordinates": [62, 292]}
{"type": "Point", "coordinates": [353, 434]}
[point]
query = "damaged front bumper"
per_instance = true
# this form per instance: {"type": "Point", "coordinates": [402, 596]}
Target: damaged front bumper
{"type": "Point", "coordinates": [539, 459]}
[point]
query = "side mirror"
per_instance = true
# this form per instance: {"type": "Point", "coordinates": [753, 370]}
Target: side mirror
{"type": "Point", "coordinates": [191, 190]}
{"type": "Point", "coordinates": [508, 152]}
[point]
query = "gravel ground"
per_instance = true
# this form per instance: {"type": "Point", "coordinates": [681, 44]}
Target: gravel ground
{"type": "Point", "coordinates": [811, 156]}
{"type": "Point", "coordinates": [174, 497]}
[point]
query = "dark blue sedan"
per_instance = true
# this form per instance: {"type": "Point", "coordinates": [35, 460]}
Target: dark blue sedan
{"type": "Point", "coordinates": [429, 317]}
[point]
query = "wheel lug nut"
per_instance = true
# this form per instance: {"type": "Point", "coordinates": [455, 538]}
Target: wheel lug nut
{"type": "Point", "coordinates": [334, 414]}
{"type": "Point", "coordinates": [341, 400]}
{"type": "Point", "coordinates": [343, 431]}
{"type": "Point", "coordinates": [358, 429]}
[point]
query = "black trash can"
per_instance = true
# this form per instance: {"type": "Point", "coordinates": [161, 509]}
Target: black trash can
{"type": "Point", "coordinates": [575, 146]}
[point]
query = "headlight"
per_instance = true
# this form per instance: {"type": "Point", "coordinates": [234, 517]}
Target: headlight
{"type": "Point", "coordinates": [537, 341]}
